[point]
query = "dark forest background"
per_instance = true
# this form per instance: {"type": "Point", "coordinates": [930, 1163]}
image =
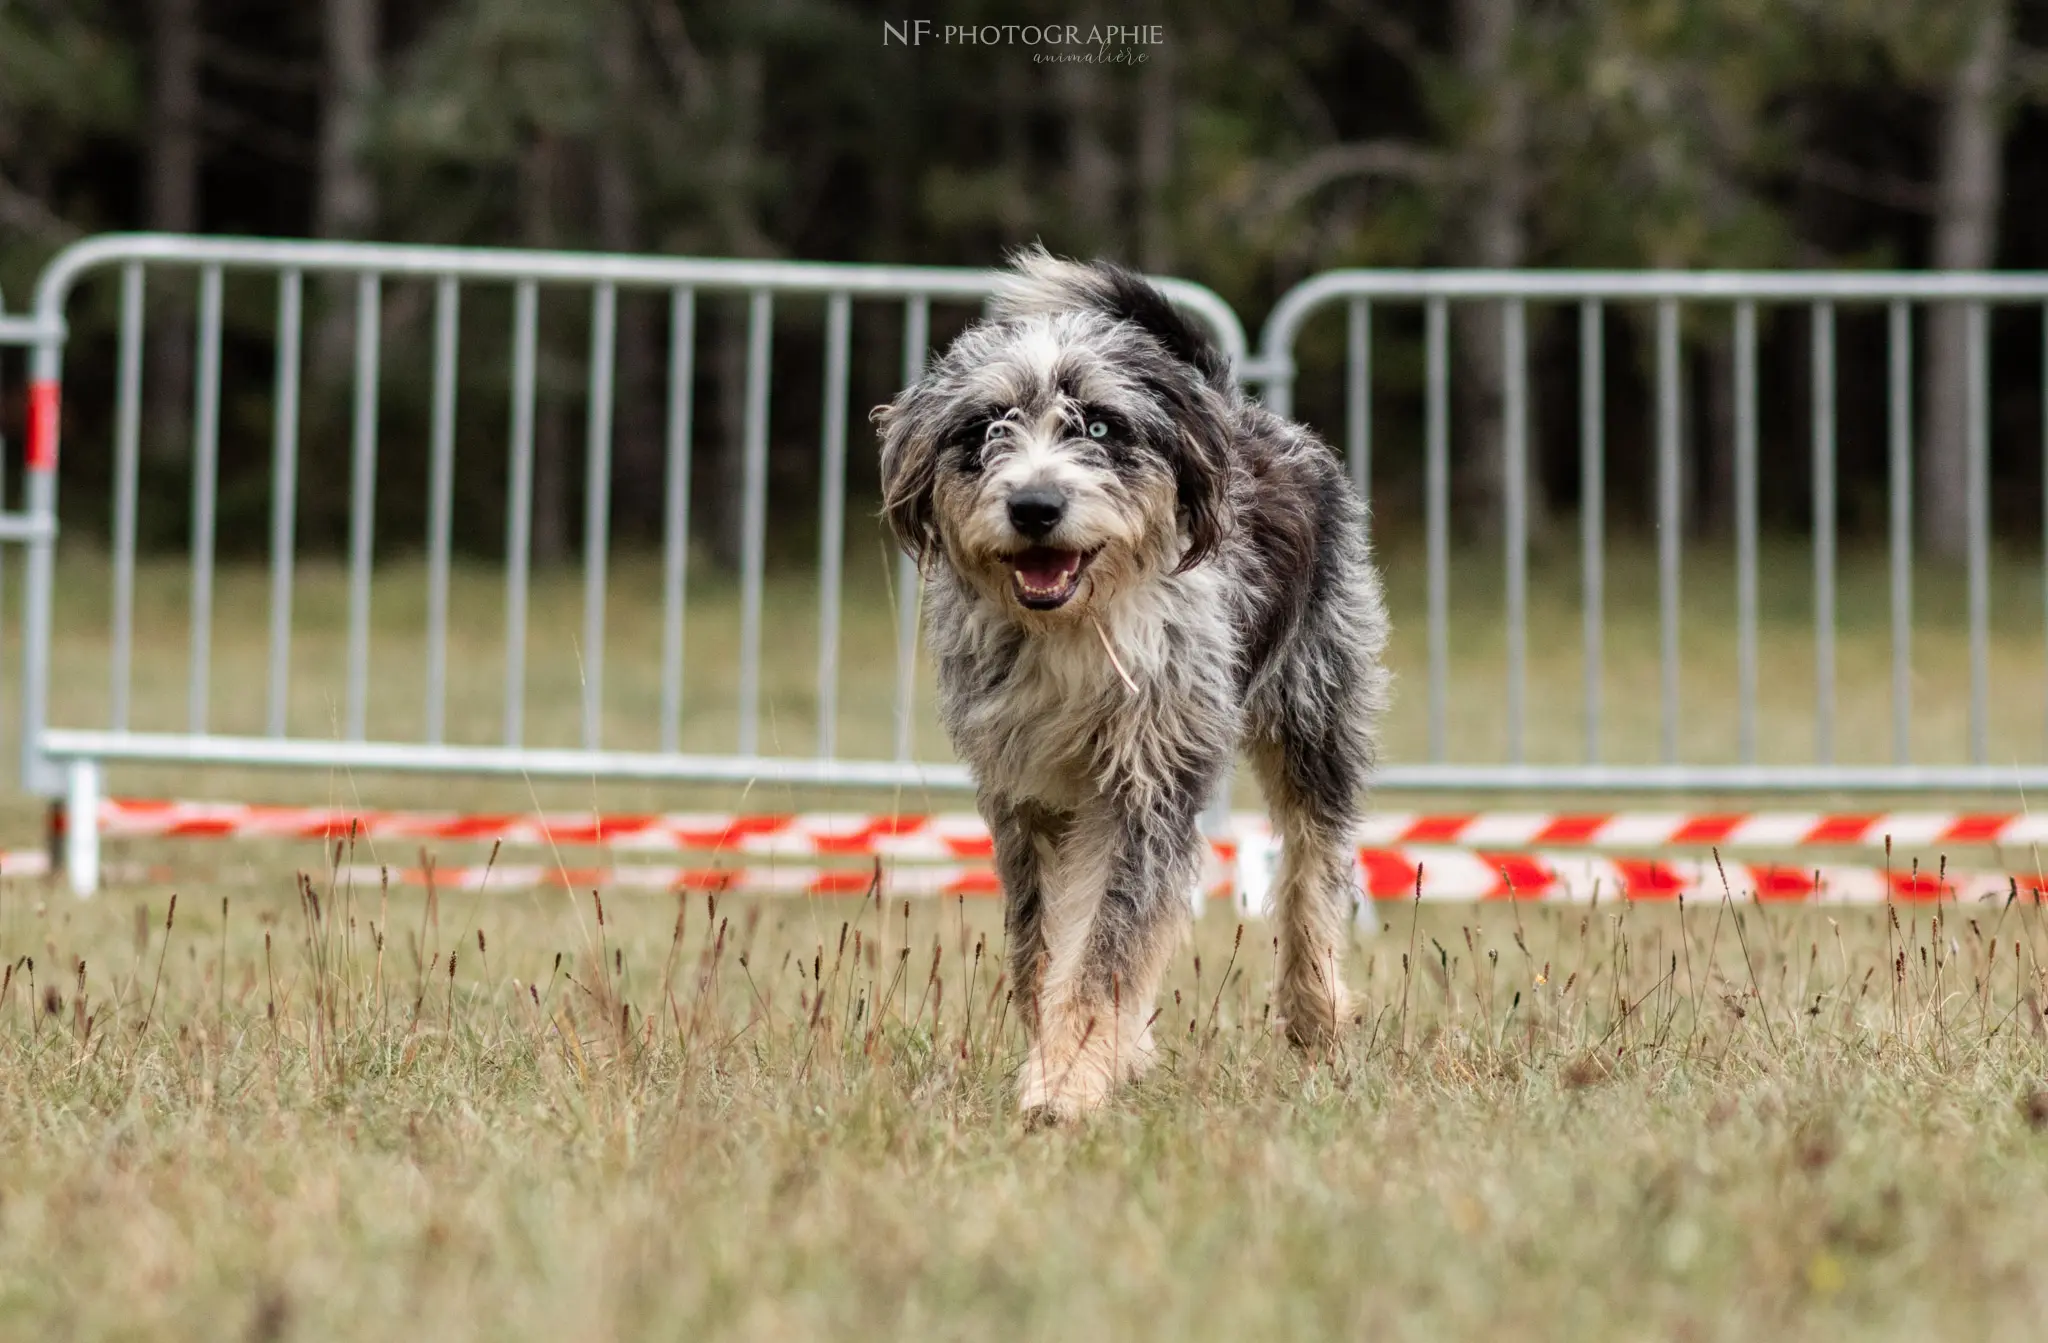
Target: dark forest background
{"type": "Point", "coordinates": [1260, 142]}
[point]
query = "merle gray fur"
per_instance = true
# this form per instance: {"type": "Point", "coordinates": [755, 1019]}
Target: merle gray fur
{"type": "Point", "coordinates": [1199, 581]}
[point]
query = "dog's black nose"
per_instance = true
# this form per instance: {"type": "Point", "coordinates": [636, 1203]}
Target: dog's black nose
{"type": "Point", "coordinates": [1035, 511]}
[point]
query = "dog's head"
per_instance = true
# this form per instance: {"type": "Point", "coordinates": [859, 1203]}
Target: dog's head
{"type": "Point", "coordinates": [1070, 447]}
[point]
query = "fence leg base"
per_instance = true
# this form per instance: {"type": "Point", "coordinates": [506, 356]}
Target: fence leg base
{"type": "Point", "coordinates": [1257, 857]}
{"type": "Point", "coordinates": [1365, 914]}
{"type": "Point", "coordinates": [82, 826]}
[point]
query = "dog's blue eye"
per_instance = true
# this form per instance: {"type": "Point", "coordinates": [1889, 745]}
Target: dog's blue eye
{"type": "Point", "coordinates": [1098, 429]}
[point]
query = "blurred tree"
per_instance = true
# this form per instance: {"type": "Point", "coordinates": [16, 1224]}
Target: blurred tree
{"type": "Point", "coordinates": [1264, 140]}
{"type": "Point", "coordinates": [1968, 184]}
{"type": "Point", "coordinates": [171, 168]}
{"type": "Point", "coordinates": [1492, 102]}
{"type": "Point", "coordinates": [67, 82]}
{"type": "Point", "coordinates": [345, 192]}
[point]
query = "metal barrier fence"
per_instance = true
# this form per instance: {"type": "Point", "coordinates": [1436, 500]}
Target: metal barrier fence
{"type": "Point", "coordinates": [74, 755]}
{"type": "Point", "coordinates": [68, 758]}
{"type": "Point", "coordinates": [1737, 296]}
{"type": "Point", "coordinates": [33, 526]}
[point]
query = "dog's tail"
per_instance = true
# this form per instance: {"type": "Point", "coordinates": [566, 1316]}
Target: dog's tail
{"type": "Point", "coordinates": [1040, 282]}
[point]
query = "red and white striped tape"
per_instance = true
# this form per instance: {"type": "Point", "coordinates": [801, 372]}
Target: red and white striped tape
{"type": "Point", "coordinates": [929, 880]}
{"type": "Point", "coordinates": [958, 836]}
{"type": "Point", "coordinates": [1466, 874]}
{"type": "Point", "coordinates": [937, 838]}
{"type": "Point", "coordinates": [944, 881]}
{"type": "Point", "coordinates": [1447, 875]}
{"type": "Point", "coordinates": [1907, 830]}
{"type": "Point", "coordinates": [25, 863]}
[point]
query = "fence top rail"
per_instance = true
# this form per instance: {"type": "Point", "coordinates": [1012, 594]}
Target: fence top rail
{"type": "Point", "coordinates": [21, 330]}
{"type": "Point", "coordinates": [514, 264]}
{"type": "Point", "coordinates": [65, 745]}
{"type": "Point", "coordinates": [1727, 286]}
{"type": "Point", "coordinates": [17, 329]}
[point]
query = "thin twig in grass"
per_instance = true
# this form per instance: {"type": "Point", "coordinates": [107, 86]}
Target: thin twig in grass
{"type": "Point", "coordinates": [221, 986]}
{"type": "Point", "coordinates": [767, 1010]}
{"type": "Point", "coordinates": [1209, 1031]}
{"type": "Point", "coordinates": [930, 979]}
{"type": "Point", "coordinates": [967, 1000]}
{"type": "Point", "coordinates": [675, 946]}
{"type": "Point", "coordinates": [1763, 1010]}
{"type": "Point", "coordinates": [149, 1013]}
{"type": "Point", "coordinates": [1408, 960]}
{"type": "Point", "coordinates": [483, 886]}
{"type": "Point", "coordinates": [1692, 992]}
{"type": "Point", "coordinates": [905, 957]}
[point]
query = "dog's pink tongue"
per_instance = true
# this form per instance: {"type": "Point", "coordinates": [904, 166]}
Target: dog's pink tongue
{"type": "Point", "coordinates": [1044, 567]}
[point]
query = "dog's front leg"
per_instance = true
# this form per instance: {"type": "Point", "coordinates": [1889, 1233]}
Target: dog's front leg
{"type": "Point", "coordinates": [1113, 910]}
{"type": "Point", "coordinates": [1027, 838]}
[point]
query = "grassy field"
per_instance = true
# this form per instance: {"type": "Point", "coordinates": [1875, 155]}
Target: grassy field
{"type": "Point", "coordinates": [340, 1116]}
{"type": "Point", "coordinates": [299, 1112]}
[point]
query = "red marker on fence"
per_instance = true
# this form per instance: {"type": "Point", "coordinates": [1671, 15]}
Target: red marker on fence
{"type": "Point", "coordinates": [42, 424]}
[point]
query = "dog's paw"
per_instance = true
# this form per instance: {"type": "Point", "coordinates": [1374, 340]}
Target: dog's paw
{"type": "Point", "coordinates": [1314, 1020]}
{"type": "Point", "coordinates": [1068, 1082]}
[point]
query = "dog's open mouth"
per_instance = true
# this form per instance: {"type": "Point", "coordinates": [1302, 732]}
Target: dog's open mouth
{"type": "Point", "coordinates": [1045, 577]}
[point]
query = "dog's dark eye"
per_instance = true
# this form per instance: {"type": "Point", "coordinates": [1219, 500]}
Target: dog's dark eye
{"type": "Point", "coordinates": [968, 444]}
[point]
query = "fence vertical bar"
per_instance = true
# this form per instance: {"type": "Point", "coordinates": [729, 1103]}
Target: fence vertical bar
{"type": "Point", "coordinates": [1358, 396]}
{"type": "Point", "coordinates": [45, 391]}
{"type": "Point", "coordinates": [1745, 529]}
{"type": "Point", "coordinates": [3, 484]}
{"type": "Point", "coordinates": [284, 494]}
{"type": "Point", "coordinates": [362, 500]}
{"type": "Point", "coordinates": [754, 514]}
{"type": "Point", "coordinates": [597, 501]}
{"type": "Point", "coordinates": [916, 335]}
{"type": "Point", "coordinates": [127, 464]}
{"type": "Point", "coordinates": [1437, 509]}
{"type": "Point", "coordinates": [2044, 473]}
{"type": "Point", "coordinates": [831, 519]}
{"type": "Point", "coordinates": [675, 528]}
{"type": "Point", "coordinates": [1900, 485]}
{"type": "Point", "coordinates": [441, 501]}
{"type": "Point", "coordinates": [519, 504]}
{"type": "Point", "coordinates": [1515, 467]}
{"type": "Point", "coordinates": [1978, 363]}
{"type": "Point", "coordinates": [1824, 532]}
{"type": "Point", "coordinates": [3, 481]}
{"type": "Point", "coordinates": [1668, 522]}
{"type": "Point", "coordinates": [82, 796]}
{"type": "Point", "coordinates": [1592, 507]}
{"type": "Point", "coordinates": [205, 485]}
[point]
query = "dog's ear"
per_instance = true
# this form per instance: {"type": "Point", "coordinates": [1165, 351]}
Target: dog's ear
{"type": "Point", "coordinates": [910, 470]}
{"type": "Point", "coordinates": [1201, 474]}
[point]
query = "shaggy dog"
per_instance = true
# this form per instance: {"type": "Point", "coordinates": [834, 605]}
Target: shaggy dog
{"type": "Point", "coordinates": [1133, 571]}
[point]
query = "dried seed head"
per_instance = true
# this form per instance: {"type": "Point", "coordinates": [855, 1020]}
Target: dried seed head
{"type": "Point", "coordinates": [1584, 1071]}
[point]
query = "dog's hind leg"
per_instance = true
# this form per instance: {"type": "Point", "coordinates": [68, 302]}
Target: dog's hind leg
{"type": "Point", "coordinates": [1313, 782]}
{"type": "Point", "coordinates": [1113, 920]}
{"type": "Point", "coordinates": [1311, 895]}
